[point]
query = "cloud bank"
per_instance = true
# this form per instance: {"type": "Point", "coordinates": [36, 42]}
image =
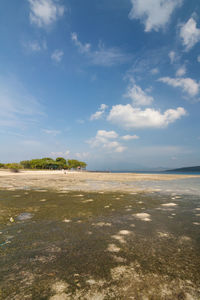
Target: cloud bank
{"type": "Point", "coordinates": [129, 117]}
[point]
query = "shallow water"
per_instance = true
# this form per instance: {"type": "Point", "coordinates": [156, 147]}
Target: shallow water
{"type": "Point", "coordinates": [74, 245]}
{"type": "Point", "coordinates": [24, 216]}
{"type": "Point", "coordinates": [187, 186]}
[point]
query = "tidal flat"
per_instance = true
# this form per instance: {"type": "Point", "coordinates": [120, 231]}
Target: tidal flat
{"type": "Point", "coordinates": [61, 245]}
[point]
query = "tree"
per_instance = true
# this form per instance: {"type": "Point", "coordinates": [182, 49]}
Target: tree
{"type": "Point", "coordinates": [13, 166]}
{"type": "Point", "coordinates": [47, 163]}
{"type": "Point", "coordinates": [82, 164]}
{"type": "Point", "coordinates": [26, 164]}
{"type": "Point", "coordinates": [62, 162]}
{"type": "Point", "coordinates": [74, 164]}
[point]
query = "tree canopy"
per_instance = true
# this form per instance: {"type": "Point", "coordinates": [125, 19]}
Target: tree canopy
{"type": "Point", "coordinates": [47, 163]}
{"type": "Point", "coordinates": [74, 164]}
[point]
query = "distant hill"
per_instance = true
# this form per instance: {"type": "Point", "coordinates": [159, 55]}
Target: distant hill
{"type": "Point", "coordinates": [187, 169]}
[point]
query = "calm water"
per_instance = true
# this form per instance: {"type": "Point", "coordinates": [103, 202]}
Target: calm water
{"type": "Point", "coordinates": [189, 186]}
{"type": "Point", "coordinates": [156, 172]}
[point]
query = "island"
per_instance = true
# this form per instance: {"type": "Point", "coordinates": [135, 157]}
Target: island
{"type": "Point", "coordinates": [186, 169]}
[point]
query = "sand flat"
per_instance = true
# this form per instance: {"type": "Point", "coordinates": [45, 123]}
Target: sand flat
{"type": "Point", "coordinates": [82, 181]}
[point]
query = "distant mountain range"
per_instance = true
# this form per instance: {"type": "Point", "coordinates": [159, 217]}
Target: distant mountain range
{"type": "Point", "coordinates": [149, 170]}
{"type": "Point", "coordinates": [187, 169]}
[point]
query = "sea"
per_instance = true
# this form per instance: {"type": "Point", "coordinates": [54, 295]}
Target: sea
{"type": "Point", "coordinates": [185, 186]}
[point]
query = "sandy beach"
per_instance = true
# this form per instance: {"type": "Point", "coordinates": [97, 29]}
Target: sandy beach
{"type": "Point", "coordinates": [81, 181]}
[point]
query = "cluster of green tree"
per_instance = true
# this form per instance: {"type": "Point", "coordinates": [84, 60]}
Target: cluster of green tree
{"type": "Point", "coordinates": [11, 166]}
{"type": "Point", "coordinates": [46, 163]}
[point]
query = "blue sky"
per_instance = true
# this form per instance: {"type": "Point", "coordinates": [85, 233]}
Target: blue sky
{"type": "Point", "coordinates": [113, 83]}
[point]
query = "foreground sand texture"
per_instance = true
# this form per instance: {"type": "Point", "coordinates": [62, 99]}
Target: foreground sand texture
{"type": "Point", "coordinates": [96, 242]}
{"type": "Point", "coordinates": [84, 181]}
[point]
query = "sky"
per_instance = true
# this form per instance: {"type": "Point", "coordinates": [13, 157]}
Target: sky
{"type": "Point", "coordinates": [112, 83]}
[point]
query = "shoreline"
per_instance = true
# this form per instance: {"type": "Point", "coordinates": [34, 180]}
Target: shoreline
{"type": "Point", "coordinates": [85, 181]}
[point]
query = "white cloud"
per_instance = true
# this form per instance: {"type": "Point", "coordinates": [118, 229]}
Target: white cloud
{"type": "Point", "coordinates": [108, 56]}
{"type": "Point", "coordinates": [181, 71]}
{"type": "Point", "coordinates": [128, 117]}
{"type": "Point", "coordinates": [111, 144]}
{"type": "Point", "coordinates": [190, 34]}
{"type": "Point", "coordinates": [35, 46]}
{"type": "Point", "coordinates": [114, 146]}
{"type": "Point", "coordinates": [198, 58]}
{"type": "Point", "coordinates": [102, 56]}
{"type": "Point", "coordinates": [103, 134]}
{"type": "Point", "coordinates": [83, 48]}
{"type": "Point", "coordinates": [67, 152]}
{"type": "Point", "coordinates": [155, 14]}
{"type": "Point", "coordinates": [172, 56]}
{"type": "Point", "coordinates": [51, 132]}
{"type": "Point", "coordinates": [82, 155]}
{"type": "Point", "coordinates": [99, 113]}
{"type": "Point", "coordinates": [154, 71]}
{"type": "Point", "coordinates": [57, 55]}
{"type": "Point", "coordinates": [106, 140]}
{"type": "Point", "coordinates": [45, 12]}
{"type": "Point", "coordinates": [60, 153]}
{"type": "Point", "coordinates": [120, 149]}
{"type": "Point", "coordinates": [137, 95]}
{"type": "Point", "coordinates": [190, 86]}
{"type": "Point", "coordinates": [103, 106]}
{"type": "Point", "coordinates": [130, 137]}
{"type": "Point", "coordinates": [55, 154]}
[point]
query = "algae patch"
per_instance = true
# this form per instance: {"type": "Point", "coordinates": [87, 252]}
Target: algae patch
{"type": "Point", "coordinates": [71, 248]}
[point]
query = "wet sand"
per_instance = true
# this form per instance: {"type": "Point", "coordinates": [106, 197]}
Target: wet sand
{"type": "Point", "coordinates": [83, 181]}
{"type": "Point", "coordinates": [95, 243]}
